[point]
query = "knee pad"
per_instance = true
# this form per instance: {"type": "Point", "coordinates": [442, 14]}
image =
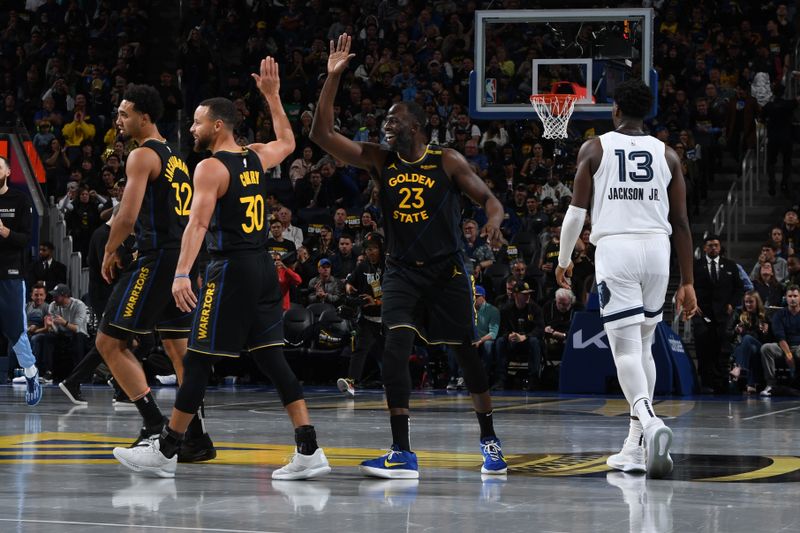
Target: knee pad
{"type": "Point", "coordinates": [272, 363]}
{"type": "Point", "coordinates": [396, 376]}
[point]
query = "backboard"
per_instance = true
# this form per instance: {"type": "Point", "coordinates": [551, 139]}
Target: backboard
{"type": "Point", "coordinates": [586, 52]}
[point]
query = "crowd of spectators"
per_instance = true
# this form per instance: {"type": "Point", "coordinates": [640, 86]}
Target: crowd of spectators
{"type": "Point", "coordinates": [65, 65]}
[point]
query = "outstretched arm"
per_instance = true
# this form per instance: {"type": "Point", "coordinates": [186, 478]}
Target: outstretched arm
{"type": "Point", "coordinates": [470, 184]}
{"type": "Point", "coordinates": [368, 156]}
{"type": "Point", "coordinates": [269, 83]}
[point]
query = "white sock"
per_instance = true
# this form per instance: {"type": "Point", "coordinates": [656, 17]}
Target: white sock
{"type": "Point", "coordinates": [635, 432]}
{"type": "Point", "coordinates": [31, 371]}
{"type": "Point", "coordinates": [644, 410]}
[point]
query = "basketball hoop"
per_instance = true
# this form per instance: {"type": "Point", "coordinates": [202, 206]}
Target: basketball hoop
{"type": "Point", "coordinates": [554, 111]}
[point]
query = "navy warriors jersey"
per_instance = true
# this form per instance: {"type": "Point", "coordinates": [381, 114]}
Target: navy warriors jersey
{"type": "Point", "coordinates": [422, 207]}
{"type": "Point", "coordinates": [630, 187]}
{"type": "Point", "coordinates": [165, 205]}
{"type": "Point", "coordinates": [238, 220]}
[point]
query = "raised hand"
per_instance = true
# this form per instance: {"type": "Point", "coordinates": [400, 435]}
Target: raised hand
{"type": "Point", "coordinates": [340, 54]}
{"type": "Point", "coordinates": [268, 81]}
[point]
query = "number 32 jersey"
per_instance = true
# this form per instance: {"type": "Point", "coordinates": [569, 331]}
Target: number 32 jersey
{"type": "Point", "coordinates": [238, 221]}
{"type": "Point", "coordinates": [630, 187]}
{"type": "Point", "coordinates": [165, 205]}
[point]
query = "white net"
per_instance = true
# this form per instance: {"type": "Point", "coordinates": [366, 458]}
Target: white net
{"type": "Point", "coordinates": [554, 111]}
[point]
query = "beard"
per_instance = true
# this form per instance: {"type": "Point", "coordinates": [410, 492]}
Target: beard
{"type": "Point", "coordinates": [201, 144]}
{"type": "Point", "coordinates": [403, 142]}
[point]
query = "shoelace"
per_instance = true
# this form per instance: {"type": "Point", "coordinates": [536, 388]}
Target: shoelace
{"type": "Point", "coordinates": [493, 450]}
{"type": "Point", "coordinates": [391, 453]}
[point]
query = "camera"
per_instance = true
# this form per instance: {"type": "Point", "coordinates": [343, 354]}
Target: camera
{"type": "Point", "coordinates": [351, 308]}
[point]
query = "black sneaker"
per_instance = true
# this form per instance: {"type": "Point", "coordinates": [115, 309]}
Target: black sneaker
{"type": "Point", "coordinates": [73, 392]}
{"type": "Point", "coordinates": [196, 449]}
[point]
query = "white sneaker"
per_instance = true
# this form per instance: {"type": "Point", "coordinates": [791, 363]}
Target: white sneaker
{"type": "Point", "coordinates": [304, 466]}
{"type": "Point", "coordinates": [19, 380]}
{"type": "Point", "coordinates": [147, 457]}
{"type": "Point", "coordinates": [657, 440]}
{"type": "Point", "coordinates": [172, 379]}
{"type": "Point", "coordinates": [346, 386]}
{"type": "Point", "coordinates": [302, 495]}
{"type": "Point", "coordinates": [460, 384]}
{"type": "Point", "coordinates": [630, 459]}
{"type": "Point", "coordinates": [766, 392]}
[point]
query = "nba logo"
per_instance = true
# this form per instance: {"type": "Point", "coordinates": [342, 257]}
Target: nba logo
{"type": "Point", "coordinates": [491, 91]}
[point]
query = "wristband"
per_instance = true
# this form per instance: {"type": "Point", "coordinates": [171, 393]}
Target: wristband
{"type": "Point", "coordinates": [187, 276]}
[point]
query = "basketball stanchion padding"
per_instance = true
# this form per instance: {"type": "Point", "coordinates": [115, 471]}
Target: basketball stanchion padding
{"type": "Point", "coordinates": [554, 111]}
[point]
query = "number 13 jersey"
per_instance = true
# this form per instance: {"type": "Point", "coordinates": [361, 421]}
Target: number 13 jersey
{"type": "Point", "coordinates": [238, 220]}
{"type": "Point", "coordinates": [630, 187]}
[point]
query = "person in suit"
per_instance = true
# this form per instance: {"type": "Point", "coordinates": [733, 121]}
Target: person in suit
{"type": "Point", "coordinates": [719, 289]}
{"type": "Point", "coordinates": [46, 269]}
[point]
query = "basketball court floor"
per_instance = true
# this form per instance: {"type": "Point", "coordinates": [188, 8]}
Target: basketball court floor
{"type": "Point", "coordinates": [735, 467]}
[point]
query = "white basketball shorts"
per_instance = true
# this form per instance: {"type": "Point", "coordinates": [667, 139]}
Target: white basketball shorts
{"type": "Point", "coordinates": [632, 272]}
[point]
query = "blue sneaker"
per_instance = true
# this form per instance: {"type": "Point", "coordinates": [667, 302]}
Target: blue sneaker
{"type": "Point", "coordinates": [396, 464]}
{"type": "Point", "coordinates": [33, 392]}
{"type": "Point", "coordinates": [493, 460]}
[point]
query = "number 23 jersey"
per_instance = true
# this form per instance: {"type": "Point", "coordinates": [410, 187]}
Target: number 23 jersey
{"type": "Point", "coordinates": [630, 187]}
{"type": "Point", "coordinates": [238, 220]}
{"type": "Point", "coordinates": [422, 208]}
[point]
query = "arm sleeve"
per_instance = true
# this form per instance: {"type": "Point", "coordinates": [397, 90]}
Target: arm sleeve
{"type": "Point", "coordinates": [570, 231]}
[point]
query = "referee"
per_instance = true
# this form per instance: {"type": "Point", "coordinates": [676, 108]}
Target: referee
{"type": "Point", "coordinates": [15, 227]}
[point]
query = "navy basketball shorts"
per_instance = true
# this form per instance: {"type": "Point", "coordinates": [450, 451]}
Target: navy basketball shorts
{"type": "Point", "coordinates": [436, 300]}
{"type": "Point", "coordinates": [240, 306]}
{"type": "Point", "coordinates": [142, 300]}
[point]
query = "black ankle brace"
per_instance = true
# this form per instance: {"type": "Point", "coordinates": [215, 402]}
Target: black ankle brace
{"type": "Point", "coordinates": [170, 442]}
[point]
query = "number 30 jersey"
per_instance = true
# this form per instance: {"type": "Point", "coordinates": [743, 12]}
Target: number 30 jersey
{"type": "Point", "coordinates": [238, 220]}
{"type": "Point", "coordinates": [165, 205]}
{"type": "Point", "coordinates": [421, 208]}
{"type": "Point", "coordinates": [630, 187]}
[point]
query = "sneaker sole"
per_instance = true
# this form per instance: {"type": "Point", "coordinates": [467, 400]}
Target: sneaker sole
{"type": "Point", "coordinates": [72, 398]}
{"type": "Point", "coordinates": [500, 472]}
{"type": "Point", "coordinates": [341, 384]}
{"type": "Point", "coordinates": [389, 474]}
{"type": "Point", "coordinates": [160, 472]}
{"type": "Point", "coordinates": [199, 457]}
{"type": "Point", "coordinates": [658, 460]}
{"type": "Point", "coordinates": [123, 406]}
{"type": "Point", "coordinates": [630, 468]}
{"type": "Point", "coordinates": [305, 474]}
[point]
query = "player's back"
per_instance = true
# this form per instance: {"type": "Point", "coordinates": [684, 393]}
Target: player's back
{"type": "Point", "coordinates": [630, 187]}
{"type": "Point", "coordinates": [165, 205]}
{"type": "Point", "coordinates": [237, 224]}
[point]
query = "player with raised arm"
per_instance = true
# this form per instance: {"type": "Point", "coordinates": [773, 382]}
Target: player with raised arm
{"type": "Point", "coordinates": [427, 287]}
{"type": "Point", "coordinates": [637, 194]}
{"type": "Point", "coordinates": [240, 304]}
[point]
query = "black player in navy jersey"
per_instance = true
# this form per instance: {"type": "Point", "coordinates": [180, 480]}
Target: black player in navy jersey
{"type": "Point", "coordinates": [156, 202]}
{"type": "Point", "coordinates": [240, 304]}
{"type": "Point", "coordinates": [427, 287]}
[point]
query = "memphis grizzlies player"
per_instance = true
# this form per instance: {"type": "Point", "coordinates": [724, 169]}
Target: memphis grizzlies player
{"type": "Point", "coordinates": [638, 199]}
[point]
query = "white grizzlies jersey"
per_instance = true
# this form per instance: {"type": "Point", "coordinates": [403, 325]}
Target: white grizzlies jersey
{"type": "Point", "coordinates": [630, 187]}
